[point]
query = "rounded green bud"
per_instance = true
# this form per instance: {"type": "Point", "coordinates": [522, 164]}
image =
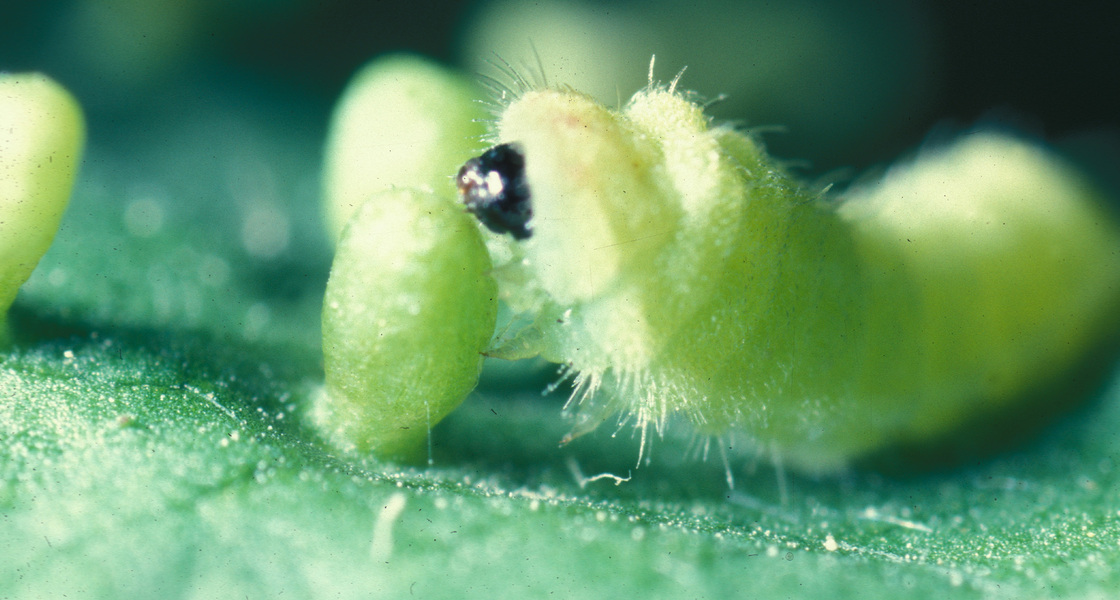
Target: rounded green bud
{"type": "Point", "coordinates": [41, 136]}
{"type": "Point", "coordinates": [409, 308]}
{"type": "Point", "coordinates": [403, 122]}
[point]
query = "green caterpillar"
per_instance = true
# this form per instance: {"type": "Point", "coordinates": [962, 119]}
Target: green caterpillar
{"type": "Point", "coordinates": [674, 268]}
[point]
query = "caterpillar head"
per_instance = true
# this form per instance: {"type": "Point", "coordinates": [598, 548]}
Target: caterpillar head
{"type": "Point", "coordinates": [605, 211]}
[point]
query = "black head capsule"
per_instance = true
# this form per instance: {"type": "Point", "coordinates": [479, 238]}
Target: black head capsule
{"type": "Point", "coordinates": [493, 188]}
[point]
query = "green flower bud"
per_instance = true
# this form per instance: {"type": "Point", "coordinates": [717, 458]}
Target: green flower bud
{"type": "Point", "coordinates": [41, 136]}
{"type": "Point", "coordinates": [409, 308]}
{"type": "Point", "coordinates": [402, 122]}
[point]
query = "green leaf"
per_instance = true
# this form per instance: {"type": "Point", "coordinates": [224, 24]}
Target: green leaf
{"type": "Point", "coordinates": [156, 442]}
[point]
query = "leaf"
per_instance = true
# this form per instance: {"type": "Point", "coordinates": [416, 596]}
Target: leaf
{"type": "Point", "coordinates": [156, 443]}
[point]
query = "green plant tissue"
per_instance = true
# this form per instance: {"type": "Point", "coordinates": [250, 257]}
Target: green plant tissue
{"type": "Point", "coordinates": [154, 442]}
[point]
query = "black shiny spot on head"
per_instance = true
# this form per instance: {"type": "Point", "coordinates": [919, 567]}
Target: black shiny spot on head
{"type": "Point", "coordinates": [494, 190]}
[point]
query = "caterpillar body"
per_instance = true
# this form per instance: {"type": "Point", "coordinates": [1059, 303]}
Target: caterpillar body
{"type": "Point", "coordinates": [674, 268]}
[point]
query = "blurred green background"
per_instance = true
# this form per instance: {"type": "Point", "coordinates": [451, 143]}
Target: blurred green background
{"type": "Point", "coordinates": [887, 72]}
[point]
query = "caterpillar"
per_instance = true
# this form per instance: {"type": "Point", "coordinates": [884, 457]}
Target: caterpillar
{"type": "Point", "coordinates": [674, 268]}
